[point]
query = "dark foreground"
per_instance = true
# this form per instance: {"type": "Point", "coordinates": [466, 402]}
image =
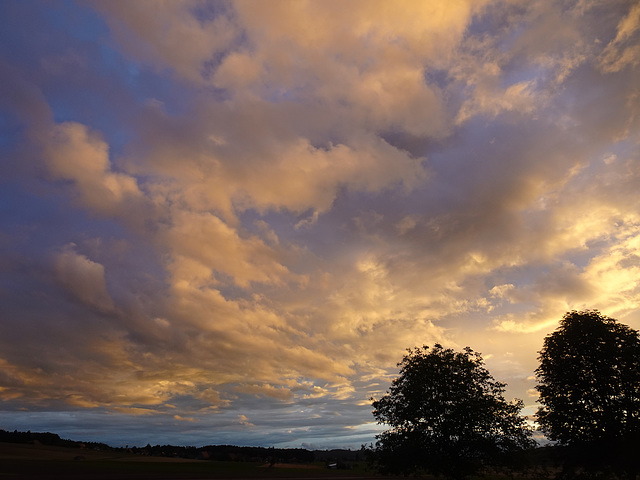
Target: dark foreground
{"type": "Point", "coordinates": [24, 461]}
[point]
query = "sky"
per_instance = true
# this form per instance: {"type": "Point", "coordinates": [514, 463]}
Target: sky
{"type": "Point", "coordinates": [225, 222]}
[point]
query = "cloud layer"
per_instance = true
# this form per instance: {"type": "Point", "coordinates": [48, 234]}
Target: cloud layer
{"type": "Point", "coordinates": [227, 221]}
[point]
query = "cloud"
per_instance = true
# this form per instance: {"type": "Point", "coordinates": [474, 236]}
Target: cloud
{"type": "Point", "coordinates": [622, 52]}
{"type": "Point", "coordinates": [83, 278]}
{"type": "Point", "coordinates": [243, 420]}
{"type": "Point", "coordinates": [209, 245]}
{"type": "Point", "coordinates": [73, 153]}
{"type": "Point", "coordinates": [172, 36]}
{"type": "Point", "coordinates": [519, 97]}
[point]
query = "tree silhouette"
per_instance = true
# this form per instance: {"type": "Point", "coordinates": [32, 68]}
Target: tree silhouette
{"type": "Point", "coordinates": [447, 416]}
{"type": "Point", "coordinates": [589, 385]}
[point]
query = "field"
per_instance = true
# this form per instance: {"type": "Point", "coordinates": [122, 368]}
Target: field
{"type": "Point", "coordinates": [27, 461]}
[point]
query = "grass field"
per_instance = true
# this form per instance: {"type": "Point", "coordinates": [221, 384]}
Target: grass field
{"type": "Point", "coordinates": [26, 461]}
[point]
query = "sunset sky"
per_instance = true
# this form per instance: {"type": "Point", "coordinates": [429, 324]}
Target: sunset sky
{"type": "Point", "coordinates": [225, 222]}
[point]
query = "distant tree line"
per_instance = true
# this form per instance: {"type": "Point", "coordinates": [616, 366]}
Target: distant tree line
{"type": "Point", "coordinates": [229, 453]}
{"type": "Point", "coordinates": [448, 416]}
{"type": "Point", "coordinates": [208, 452]}
{"type": "Point", "coordinates": [47, 438]}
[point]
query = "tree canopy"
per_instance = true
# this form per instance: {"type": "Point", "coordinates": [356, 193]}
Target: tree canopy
{"type": "Point", "coordinates": [589, 379]}
{"type": "Point", "coordinates": [589, 385]}
{"type": "Point", "coordinates": [447, 415]}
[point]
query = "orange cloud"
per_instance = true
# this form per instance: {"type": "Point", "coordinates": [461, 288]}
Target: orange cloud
{"type": "Point", "coordinates": [73, 153]}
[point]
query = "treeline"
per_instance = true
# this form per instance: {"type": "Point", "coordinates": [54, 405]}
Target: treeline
{"type": "Point", "coordinates": [209, 452]}
{"type": "Point", "coordinates": [229, 453]}
{"type": "Point", "coordinates": [47, 438]}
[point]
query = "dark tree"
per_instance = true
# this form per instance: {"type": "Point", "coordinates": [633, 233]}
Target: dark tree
{"type": "Point", "coordinates": [589, 385]}
{"type": "Point", "coordinates": [447, 416]}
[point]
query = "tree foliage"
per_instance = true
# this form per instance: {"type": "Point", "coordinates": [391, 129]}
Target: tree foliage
{"type": "Point", "coordinates": [589, 385]}
{"type": "Point", "coordinates": [589, 380]}
{"type": "Point", "coordinates": [447, 415]}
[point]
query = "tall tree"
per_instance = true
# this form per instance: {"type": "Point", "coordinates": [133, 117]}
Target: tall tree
{"type": "Point", "coordinates": [589, 385]}
{"type": "Point", "coordinates": [447, 415]}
